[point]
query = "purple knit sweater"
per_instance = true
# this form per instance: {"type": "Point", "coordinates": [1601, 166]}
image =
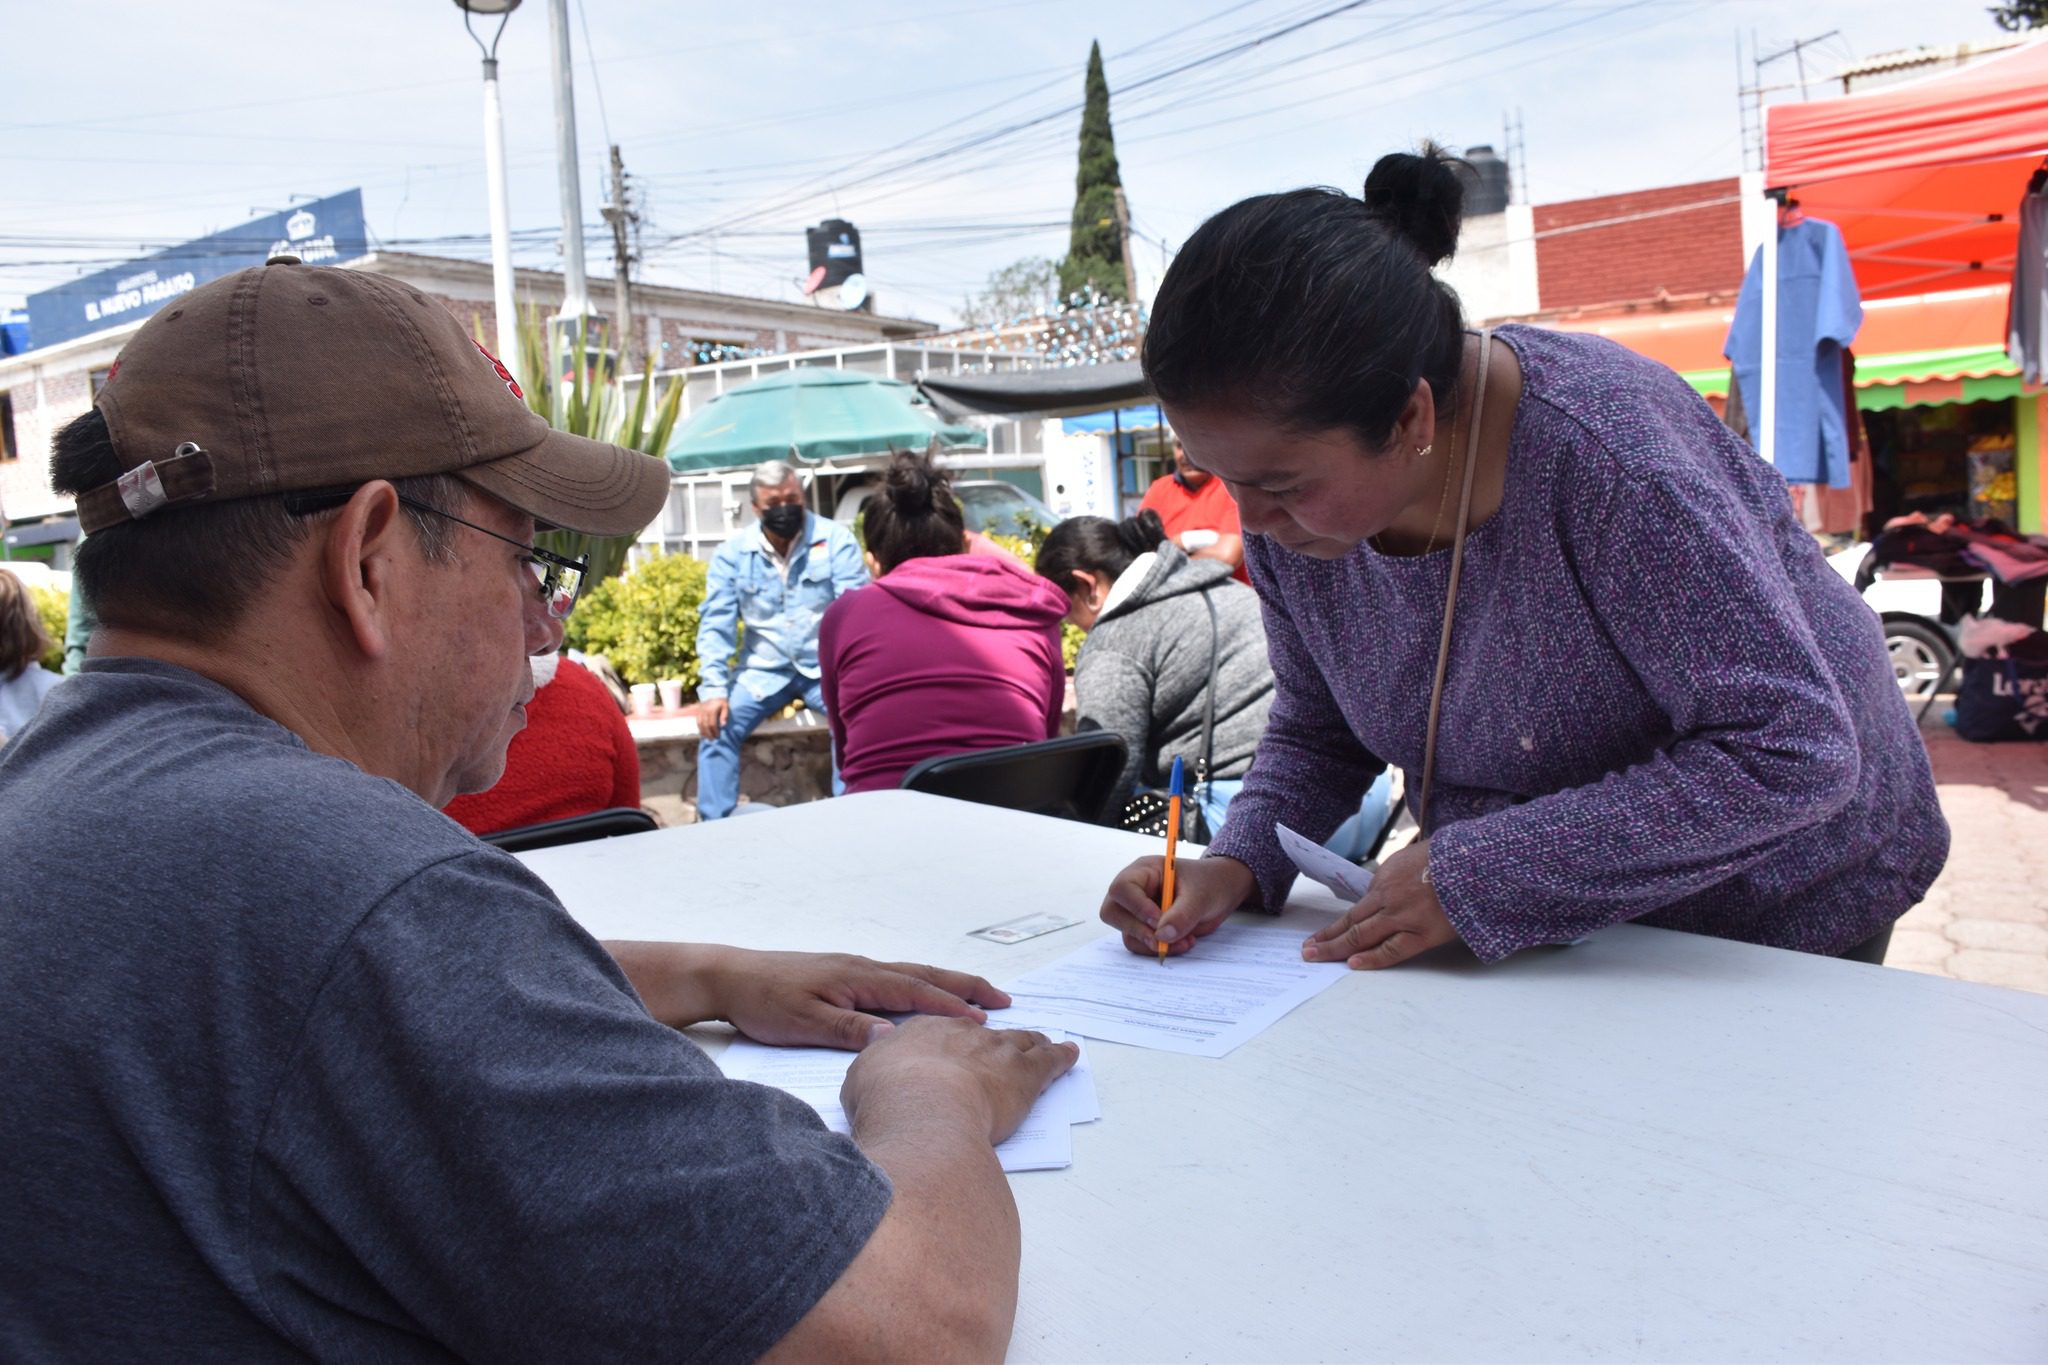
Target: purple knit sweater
{"type": "Point", "coordinates": [1662, 705]}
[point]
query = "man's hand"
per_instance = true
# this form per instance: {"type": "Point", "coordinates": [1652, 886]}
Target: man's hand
{"type": "Point", "coordinates": [1399, 917]}
{"type": "Point", "coordinates": [795, 999]}
{"type": "Point", "coordinates": [712, 714]}
{"type": "Point", "coordinates": [1205, 892]}
{"type": "Point", "coordinates": [932, 1069]}
{"type": "Point", "coordinates": [1226, 548]}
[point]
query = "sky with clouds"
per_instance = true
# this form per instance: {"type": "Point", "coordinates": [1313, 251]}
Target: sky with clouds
{"type": "Point", "coordinates": [945, 130]}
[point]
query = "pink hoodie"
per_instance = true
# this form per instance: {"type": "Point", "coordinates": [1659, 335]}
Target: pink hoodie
{"type": "Point", "coordinates": [941, 655]}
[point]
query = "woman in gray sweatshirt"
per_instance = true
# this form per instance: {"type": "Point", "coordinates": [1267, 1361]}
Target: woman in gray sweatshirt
{"type": "Point", "coordinates": [1143, 672]}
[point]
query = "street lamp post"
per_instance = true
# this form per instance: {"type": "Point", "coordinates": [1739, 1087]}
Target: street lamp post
{"type": "Point", "coordinates": [494, 171]}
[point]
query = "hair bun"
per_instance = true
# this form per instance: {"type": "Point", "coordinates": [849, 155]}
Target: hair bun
{"type": "Point", "coordinates": [909, 483]}
{"type": "Point", "coordinates": [1421, 197]}
{"type": "Point", "coordinates": [1142, 533]}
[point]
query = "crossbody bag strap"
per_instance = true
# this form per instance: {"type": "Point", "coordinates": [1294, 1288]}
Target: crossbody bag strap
{"type": "Point", "coordinates": [1443, 648]}
{"type": "Point", "coordinates": [1209, 706]}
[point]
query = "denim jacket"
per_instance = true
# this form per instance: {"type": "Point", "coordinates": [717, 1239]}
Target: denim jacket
{"type": "Point", "coordinates": [781, 612]}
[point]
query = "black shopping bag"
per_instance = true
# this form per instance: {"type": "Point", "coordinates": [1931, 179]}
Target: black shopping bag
{"type": "Point", "coordinates": [2002, 698]}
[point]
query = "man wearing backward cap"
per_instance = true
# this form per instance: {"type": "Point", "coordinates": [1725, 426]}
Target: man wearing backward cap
{"type": "Point", "coordinates": [295, 1065]}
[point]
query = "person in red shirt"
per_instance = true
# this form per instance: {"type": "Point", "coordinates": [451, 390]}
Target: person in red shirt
{"type": "Point", "coordinates": [1199, 513]}
{"type": "Point", "coordinates": [575, 756]}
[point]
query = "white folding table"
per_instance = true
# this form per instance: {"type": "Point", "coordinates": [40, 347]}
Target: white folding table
{"type": "Point", "coordinates": [1651, 1146]}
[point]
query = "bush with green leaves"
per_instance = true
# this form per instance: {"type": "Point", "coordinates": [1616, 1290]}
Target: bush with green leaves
{"type": "Point", "coordinates": [645, 622]}
{"type": "Point", "coordinates": [55, 610]}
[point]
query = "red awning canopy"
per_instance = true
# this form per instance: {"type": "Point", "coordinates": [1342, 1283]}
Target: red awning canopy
{"type": "Point", "coordinates": [1922, 178]}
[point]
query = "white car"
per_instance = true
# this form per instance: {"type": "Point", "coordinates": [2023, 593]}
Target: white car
{"type": "Point", "coordinates": [33, 573]}
{"type": "Point", "coordinates": [1920, 645]}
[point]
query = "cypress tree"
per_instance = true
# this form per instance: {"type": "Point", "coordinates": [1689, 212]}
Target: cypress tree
{"type": "Point", "coordinates": [1095, 251]}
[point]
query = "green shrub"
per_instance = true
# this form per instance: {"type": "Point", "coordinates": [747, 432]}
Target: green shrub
{"type": "Point", "coordinates": [55, 610]}
{"type": "Point", "coordinates": [645, 622]}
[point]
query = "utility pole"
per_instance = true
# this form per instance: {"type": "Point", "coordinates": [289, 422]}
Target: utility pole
{"type": "Point", "coordinates": [619, 213]}
{"type": "Point", "coordinates": [1123, 228]}
{"type": "Point", "coordinates": [575, 287]}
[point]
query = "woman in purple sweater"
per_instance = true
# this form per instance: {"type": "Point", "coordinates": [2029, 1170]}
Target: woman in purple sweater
{"type": "Point", "coordinates": [1660, 706]}
{"type": "Point", "coordinates": [947, 651]}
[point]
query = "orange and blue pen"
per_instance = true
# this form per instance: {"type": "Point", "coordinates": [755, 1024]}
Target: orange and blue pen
{"type": "Point", "coordinates": [1173, 798]}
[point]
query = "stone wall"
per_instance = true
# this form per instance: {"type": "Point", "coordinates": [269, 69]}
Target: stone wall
{"type": "Point", "coordinates": [783, 763]}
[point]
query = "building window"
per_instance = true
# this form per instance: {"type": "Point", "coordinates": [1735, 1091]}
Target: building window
{"type": "Point", "coordinates": [697, 518]}
{"type": "Point", "coordinates": [8, 449]}
{"type": "Point", "coordinates": [97, 380]}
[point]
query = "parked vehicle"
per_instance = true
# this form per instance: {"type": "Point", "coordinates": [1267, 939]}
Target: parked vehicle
{"type": "Point", "coordinates": [987, 504]}
{"type": "Point", "coordinates": [1921, 645]}
{"type": "Point", "coordinates": [993, 505]}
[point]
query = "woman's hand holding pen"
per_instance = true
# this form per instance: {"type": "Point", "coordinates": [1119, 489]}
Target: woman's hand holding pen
{"type": "Point", "coordinates": [1399, 917]}
{"type": "Point", "coordinates": [1206, 891]}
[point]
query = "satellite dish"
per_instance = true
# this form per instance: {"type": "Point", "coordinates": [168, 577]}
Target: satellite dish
{"type": "Point", "coordinates": [817, 278]}
{"type": "Point", "coordinates": [853, 292]}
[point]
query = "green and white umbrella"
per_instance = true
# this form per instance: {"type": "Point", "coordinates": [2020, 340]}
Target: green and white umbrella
{"type": "Point", "coordinates": [811, 414]}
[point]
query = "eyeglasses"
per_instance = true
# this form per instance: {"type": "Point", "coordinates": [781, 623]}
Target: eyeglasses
{"type": "Point", "coordinates": [557, 580]}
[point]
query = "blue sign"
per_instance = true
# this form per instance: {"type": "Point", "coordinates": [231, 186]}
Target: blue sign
{"type": "Point", "coordinates": [325, 232]}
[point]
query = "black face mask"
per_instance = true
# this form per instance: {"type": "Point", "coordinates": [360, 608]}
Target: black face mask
{"type": "Point", "coordinates": [785, 521]}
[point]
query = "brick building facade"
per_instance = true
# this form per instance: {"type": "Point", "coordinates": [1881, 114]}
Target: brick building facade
{"type": "Point", "coordinates": [1682, 241]}
{"type": "Point", "coordinates": [1679, 245]}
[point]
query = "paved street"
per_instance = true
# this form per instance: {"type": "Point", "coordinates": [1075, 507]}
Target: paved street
{"type": "Point", "coordinates": [1986, 918]}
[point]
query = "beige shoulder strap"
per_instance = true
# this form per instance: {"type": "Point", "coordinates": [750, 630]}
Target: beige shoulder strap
{"type": "Point", "coordinates": [1443, 649]}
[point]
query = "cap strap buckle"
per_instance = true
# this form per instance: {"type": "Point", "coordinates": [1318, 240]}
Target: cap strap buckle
{"type": "Point", "coordinates": [150, 486]}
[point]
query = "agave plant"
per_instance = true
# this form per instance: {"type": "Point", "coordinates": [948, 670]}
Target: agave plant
{"type": "Point", "coordinates": [584, 403]}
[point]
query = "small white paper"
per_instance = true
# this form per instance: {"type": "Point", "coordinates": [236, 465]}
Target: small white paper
{"type": "Point", "coordinates": [1341, 877]}
{"type": "Point", "coordinates": [1044, 1141]}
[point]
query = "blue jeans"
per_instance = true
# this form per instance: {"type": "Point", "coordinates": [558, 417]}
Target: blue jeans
{"type": "Point", "coordinates": [1353, 839]}
{"type": "Point", "coordinates": [718, 760]}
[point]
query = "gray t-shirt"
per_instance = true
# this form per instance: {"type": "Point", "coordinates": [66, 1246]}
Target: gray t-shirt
{"type": "Point", "coordinates": [294, 1066]}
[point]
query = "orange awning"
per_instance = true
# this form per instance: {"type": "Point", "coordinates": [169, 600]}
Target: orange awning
{"type": "Point", "coordinates": [1691, 340]}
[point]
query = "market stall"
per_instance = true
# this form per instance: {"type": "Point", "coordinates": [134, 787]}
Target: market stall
{"type": "Point", "coordinates": [1923, 181]}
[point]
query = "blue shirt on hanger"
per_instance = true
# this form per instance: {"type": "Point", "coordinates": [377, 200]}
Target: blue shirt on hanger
{"type": "Point", "coordinates": [1819, 313]}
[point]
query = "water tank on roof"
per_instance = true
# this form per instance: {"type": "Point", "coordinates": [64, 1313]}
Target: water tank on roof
{"type": "Point", "coordinates": [1486, 181]}
{"type": "Point", "coordinates": [835, 246]}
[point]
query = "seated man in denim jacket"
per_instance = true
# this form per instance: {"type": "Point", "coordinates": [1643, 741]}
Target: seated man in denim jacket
{"type": "Point", "coordinates": [777, 576]}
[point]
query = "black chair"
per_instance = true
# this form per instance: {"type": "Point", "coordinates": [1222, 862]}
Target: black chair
{"type": "Point", "coordinates": [1071, 776]}
{"type": "Point", "coordinates": [599, 824]}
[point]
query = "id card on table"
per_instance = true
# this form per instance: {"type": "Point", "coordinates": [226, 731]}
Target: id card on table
{"type": "Point", "coordinates": [1021, 928]}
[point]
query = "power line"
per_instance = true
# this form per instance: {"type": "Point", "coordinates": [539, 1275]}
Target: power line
{"type": "Point", "coordinates": [985, 138]}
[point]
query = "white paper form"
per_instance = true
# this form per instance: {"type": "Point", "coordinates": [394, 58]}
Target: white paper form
{"type": "Point", "coordinates": [1341, 877]}
{"type": "Point", "coordinates": [1234, 985]}
{"type": "Point", "coordinates": [1043, 1141]}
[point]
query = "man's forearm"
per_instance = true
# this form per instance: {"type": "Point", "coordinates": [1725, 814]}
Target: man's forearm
{"type": "Point", "coordinates": [938, 1279]}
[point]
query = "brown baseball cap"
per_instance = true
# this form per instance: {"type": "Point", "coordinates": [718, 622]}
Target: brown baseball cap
{"type": "Point", "coordinates": [287, 377]}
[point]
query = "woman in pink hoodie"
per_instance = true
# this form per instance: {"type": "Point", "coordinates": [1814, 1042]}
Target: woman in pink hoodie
{"type": "Point", "coordinates": [947, 651]}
